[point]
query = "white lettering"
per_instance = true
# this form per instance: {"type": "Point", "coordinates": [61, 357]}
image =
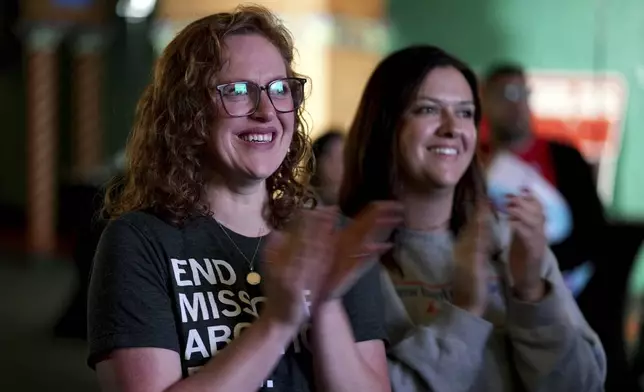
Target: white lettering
{"type": "Point", "coordinates": [178, 271]}
{"type": "Point", "coordinates": [198, 304]}
{"type": "Point", "coordinates": [228, 301]}
{"type": "Point", "coordinates": [239, 328]}
{"type": "Point", "coordinates": [214, 339]}
{"type": "Point", "coordinates": [255, 303]}
{"type": "Point", "coordinates": [198, 270]}
{"type": "Point", "coordinates": [231, 277]}
{"type": "Point", "coordinates": [245, 298]}
{"type": "Point", "coordinates": [213, 305]}
{"type": "Point", "coordinates": [195, 345]}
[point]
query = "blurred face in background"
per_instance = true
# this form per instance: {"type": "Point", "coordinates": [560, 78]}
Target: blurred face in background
{"type": "Point", "coordinates": [506, 106]}
{"type": "Point", "coordinates": [330, 167]}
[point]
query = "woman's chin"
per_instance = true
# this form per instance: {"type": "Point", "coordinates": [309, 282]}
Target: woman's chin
{"type": "Point", "coordinates": [261, 173]}
{"type": "Point", "coordinates": [442, 181]}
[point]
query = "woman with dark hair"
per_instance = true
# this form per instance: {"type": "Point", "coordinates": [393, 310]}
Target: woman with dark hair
{"type": "Point", "coordinates": [466, 308]}
{"type": "Point", "coordinates": [328, 152]}
{"type": "Point", "coordinates": [181, 284]}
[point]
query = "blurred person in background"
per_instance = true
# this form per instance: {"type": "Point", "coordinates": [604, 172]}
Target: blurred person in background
{"type": "Point", "coordinates": [73, 322]}
{"type": "Point", "coordinates": [188, 292]}
{"type": "Point", "coordinates": [329, 166]}
{"type": "Point", "coordinates": [466, 310]}
{"type": "Point", "coordinates": [505, 96]}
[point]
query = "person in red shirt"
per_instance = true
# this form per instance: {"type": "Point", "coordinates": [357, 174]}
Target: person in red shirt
{"type": "Point", "coordinates": [509, 126]}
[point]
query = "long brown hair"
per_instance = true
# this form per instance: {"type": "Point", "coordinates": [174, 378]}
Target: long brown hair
{"type": "Point", "coordinates": [167, 149]}
{"type": "Point", "coordinates": [372, 150]}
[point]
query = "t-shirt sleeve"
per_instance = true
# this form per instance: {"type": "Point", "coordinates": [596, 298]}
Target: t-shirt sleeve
{"type": "Point", "coordinates": [363, 304]}
{"type": "Point", "coordinates": [130, 303]}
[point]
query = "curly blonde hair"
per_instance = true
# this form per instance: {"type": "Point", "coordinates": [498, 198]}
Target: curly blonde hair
{"type": "Point", "coordinates": [167, 149]}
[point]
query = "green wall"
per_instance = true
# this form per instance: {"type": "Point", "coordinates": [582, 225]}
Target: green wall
{"type": "Point", "coordinates": [546, 34]}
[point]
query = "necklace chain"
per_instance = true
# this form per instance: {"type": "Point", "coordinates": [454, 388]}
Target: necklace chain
{"type": "Point", "coordinates": [251, 262]}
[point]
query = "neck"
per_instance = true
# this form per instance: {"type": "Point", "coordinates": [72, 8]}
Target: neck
{"type": "Point", "coordinates": [428, 210]}
{"type": "Point", "coordinates": [239, 207]}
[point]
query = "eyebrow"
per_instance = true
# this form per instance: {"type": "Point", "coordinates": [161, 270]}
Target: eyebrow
{"type": "Point", "coordinates": [441, 101]}
{"type": "Point", "coordinates": [243, 80]}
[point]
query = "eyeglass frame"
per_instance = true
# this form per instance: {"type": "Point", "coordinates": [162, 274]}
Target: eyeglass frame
{"type": "Point", "coordinates": [523, 94]}
{"type": "Point", "coordinates": [265, 87]}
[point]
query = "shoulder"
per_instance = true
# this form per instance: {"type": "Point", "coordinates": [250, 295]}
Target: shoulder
{"type": "Point", "coordinates": [136, 240]}
{"type": "Point", "coordinates": [143, 221]}
{"type": "Point", "coordinates": [145, 226]}
{"type": "Point", "coordinates": [564, 149]}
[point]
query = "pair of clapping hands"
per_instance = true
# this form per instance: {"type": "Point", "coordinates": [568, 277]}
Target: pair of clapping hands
{"type": "Point", "coordinates": [314, 254]}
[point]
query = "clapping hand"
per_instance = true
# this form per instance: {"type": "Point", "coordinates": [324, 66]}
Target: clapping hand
{"type": "Point", "coordinates": [295, 259]}
{"type": "Point", "coordinates": [527, 246]}
{"type": "Point", "coordinates": [362, 241]}
{"type": "Point", "coordinates": [314, 255]}
{"type": "Point", "coordinates": [471, 253]}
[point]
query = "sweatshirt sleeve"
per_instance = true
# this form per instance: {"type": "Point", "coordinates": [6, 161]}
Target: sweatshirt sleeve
{"type": "Point", "coordinates": [554, 347]}
{"type": "Point", "coordinates": [442, 357]}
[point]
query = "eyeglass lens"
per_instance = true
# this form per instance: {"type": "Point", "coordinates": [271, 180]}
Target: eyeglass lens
{"type": "Point", "coordinates": [242, 98]}
{"type": "Point", "coordinates": [515, 92]}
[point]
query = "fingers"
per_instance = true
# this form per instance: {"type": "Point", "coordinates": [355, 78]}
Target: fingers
{"type": "Point", "coordinates": [483, 215]}
{"type": "Point", "coordinates": [347, 270]}
{"type": "Point", "coordinates": [376, 222]}
{"type": "Point", "coordinates": [306, 241]}
{"type": "Point", "coordinates": [312, 231]}
{"type": "Point", "coordinates": [315, 237]}
{"type": "Point", "coordinates": [363, 241]}
{"type": "Point", "coordinates": [527, 209]}
{"type": "Point", "coordinates": [528, 218]}
{"type": "Point", "coordinates": [522, 229]}
{"type": "Point", "coordinates": [527, 200]}
{"type": "Point", "coordinates": [308, 222]}
{"type": "Point", "coordinates": [368, 235]}
{"type": "Point", "coordinates": [274, 248]}
{"type": "Point", "coordinates": [475, 236]}
{"type": "Point", "coordinates": [371, 250]}
{"type": "Point", "coordinates": [316, 254]}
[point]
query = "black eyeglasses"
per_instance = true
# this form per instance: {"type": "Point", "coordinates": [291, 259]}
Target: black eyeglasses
{"type": "Point", "coordinates": [241, 99]}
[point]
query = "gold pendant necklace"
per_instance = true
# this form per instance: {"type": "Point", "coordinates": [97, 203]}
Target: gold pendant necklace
{"type": "Point", "coordinates": [253, 277]}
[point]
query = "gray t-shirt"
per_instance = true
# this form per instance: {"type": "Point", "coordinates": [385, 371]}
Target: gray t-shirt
{"type": "Point", "coordinates": [184, 289]}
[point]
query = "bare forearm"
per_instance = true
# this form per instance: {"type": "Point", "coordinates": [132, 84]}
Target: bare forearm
{"type": "Point", "coordinates": [245, 364]}
{"type": "Point", "coordinates": [339, 366]}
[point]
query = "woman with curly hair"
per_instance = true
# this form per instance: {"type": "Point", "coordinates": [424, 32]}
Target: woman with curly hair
{"type": "Point", "coordinates": [187, 292]}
